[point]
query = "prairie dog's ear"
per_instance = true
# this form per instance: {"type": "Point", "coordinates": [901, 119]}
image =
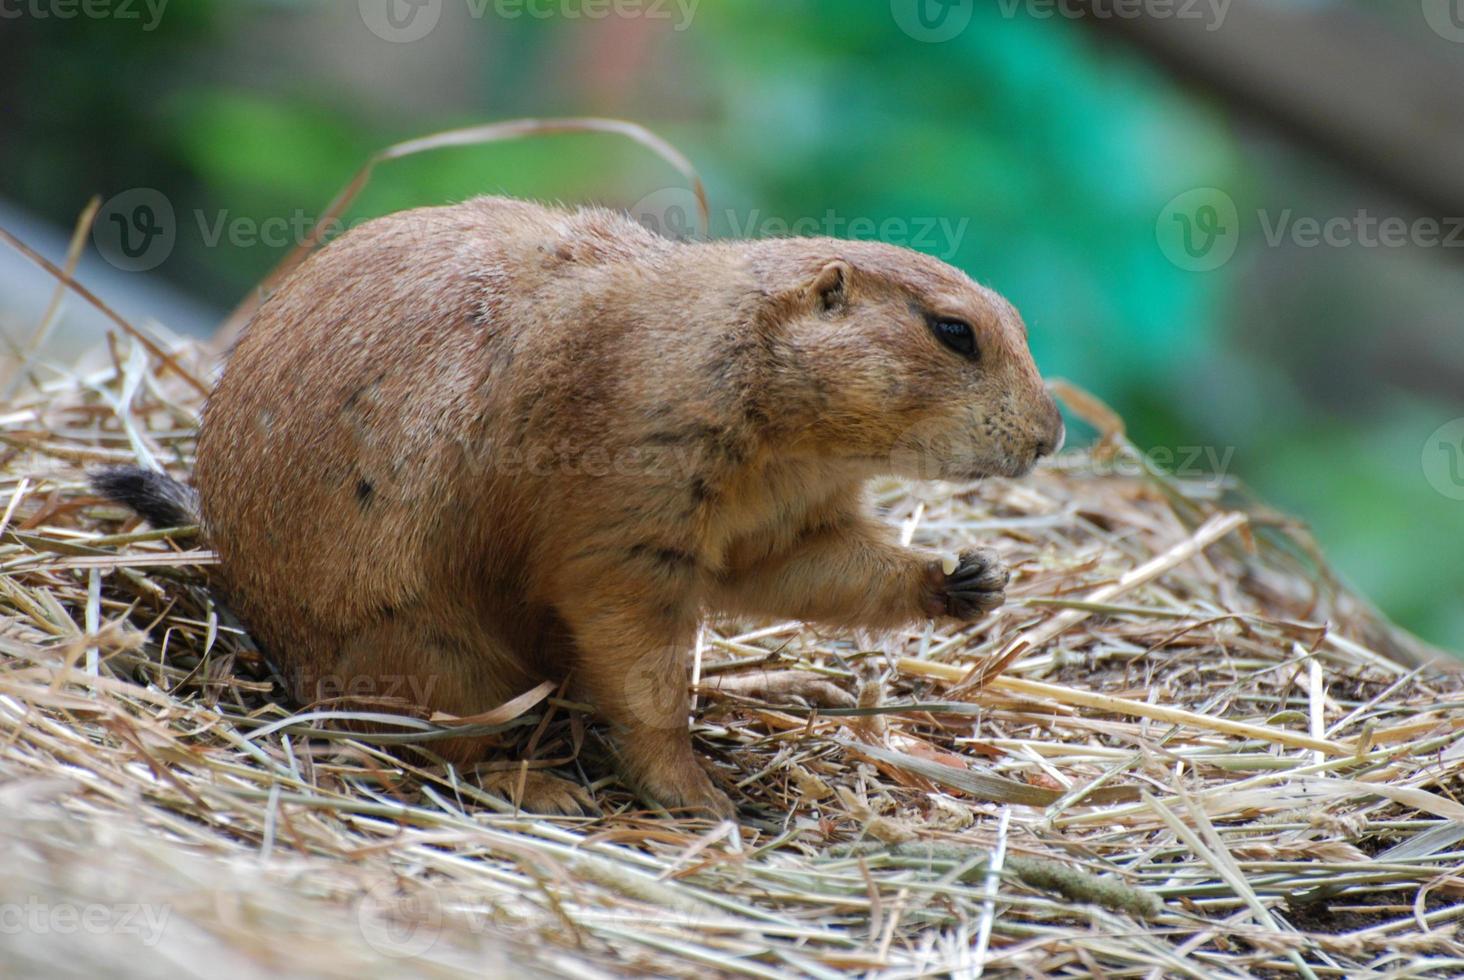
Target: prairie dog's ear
{"type": "Point", "coordinates": [829, 289]}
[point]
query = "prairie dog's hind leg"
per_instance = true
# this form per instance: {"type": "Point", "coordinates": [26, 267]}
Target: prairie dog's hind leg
{"type": "Point", "coordinates": [632, 666]}
{"type": "Point", "coordinates": [401, 664]}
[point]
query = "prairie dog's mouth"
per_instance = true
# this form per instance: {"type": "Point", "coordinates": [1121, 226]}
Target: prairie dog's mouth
{"type": "Point", "coordinates": [931, 465]}
{"type": "Point", "coordinates": [1017, 468]}
{"type": "Point", "coordinates": [1007, 466]}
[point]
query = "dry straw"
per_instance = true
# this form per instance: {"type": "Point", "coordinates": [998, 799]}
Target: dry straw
{"type": "Point", "coordinates": [1196, 753]}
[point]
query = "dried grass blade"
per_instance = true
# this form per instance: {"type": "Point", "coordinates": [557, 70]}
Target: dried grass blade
{"type": "Point", "coordinates": [1038, 637]}
{"type": "Point", "coordinates": [166, 360]}
{"type": "Point", "coordinates": [470, 136]}
{"type": "Point", "coordinates": [1138, 709]}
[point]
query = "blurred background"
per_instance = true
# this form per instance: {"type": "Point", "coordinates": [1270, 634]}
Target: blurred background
{"type": "Point", "coordinates": [1238, 222]}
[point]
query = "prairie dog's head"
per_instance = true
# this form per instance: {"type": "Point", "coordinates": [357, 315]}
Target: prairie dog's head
{"type": "Point", "coordinates": [915, 369]}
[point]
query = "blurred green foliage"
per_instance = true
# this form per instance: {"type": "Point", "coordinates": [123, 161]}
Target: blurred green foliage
{"type": "Point", "coordinates": [1060, 148]}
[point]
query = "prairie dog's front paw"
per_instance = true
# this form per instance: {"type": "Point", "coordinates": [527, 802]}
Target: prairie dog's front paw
{"type": "Point", "coordinates": [976, 586]}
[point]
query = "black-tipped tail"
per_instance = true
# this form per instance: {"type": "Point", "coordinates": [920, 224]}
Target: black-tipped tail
{"type": "Point", "coordinates": [162, 500]}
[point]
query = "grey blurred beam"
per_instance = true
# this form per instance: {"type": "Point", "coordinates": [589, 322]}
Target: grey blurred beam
{"type": "Point", "coordinates": [25, 293]}
{"type": "Point", "coordinates": [1383, 96]}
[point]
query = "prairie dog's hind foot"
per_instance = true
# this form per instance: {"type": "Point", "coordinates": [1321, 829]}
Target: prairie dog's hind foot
{"type": "Point", "coordinates": [688, 793]}
{"type": "Point", "coordinates": [665, 772]}
{"type": "Point", "coordinates": [539, 793]}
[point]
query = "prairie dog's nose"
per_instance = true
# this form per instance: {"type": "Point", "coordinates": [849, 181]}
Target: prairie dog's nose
{"type": "Point", "coordinates": [1059, 442]}
{"type": "Point", "coordinates": [1051, 444]}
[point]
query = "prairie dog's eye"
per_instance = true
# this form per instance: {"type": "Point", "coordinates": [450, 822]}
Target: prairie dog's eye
{"type": "Point", "coordinates": [957, 335]}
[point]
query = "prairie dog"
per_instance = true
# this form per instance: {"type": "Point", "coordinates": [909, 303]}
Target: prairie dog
{"type": "Point", "coordinates": [477, 446]}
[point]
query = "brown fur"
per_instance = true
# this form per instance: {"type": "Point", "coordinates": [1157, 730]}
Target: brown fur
{"type": "Point", "coordinates": [466, 448]}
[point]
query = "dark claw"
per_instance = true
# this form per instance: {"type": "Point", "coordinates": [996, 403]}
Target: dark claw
{"type": "Point", "coordinates": [976, 587]}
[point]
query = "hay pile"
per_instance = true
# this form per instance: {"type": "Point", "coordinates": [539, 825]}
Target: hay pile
{"type": "Point", "coordinates": [1180, 750]}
